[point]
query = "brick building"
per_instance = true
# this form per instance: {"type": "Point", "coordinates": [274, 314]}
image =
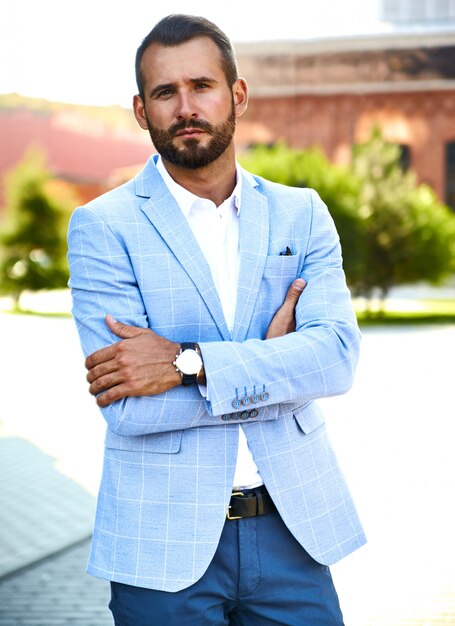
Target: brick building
{"type": "Point", "coordinates": [329, 93]}
{"type": "Point", "coordinates": [332, 93]}
{"type": "Point", "coordinates": [82, 149]}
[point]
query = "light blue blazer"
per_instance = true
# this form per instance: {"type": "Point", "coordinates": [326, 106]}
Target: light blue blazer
{"type": "Point", "coordinates": [170, 459]}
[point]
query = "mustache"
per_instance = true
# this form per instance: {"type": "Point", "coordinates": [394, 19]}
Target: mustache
{"type": "Point", "coordinates": [201, 124]}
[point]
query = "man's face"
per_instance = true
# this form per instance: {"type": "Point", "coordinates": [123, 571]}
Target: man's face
{"type": "Point", "coordinates": [193, 153]}
{"type": "Point", "coordinates": [188, 108]}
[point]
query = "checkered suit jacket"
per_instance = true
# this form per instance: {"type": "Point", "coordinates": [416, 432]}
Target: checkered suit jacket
{"type": "Point", "coordinates": [170, 459]}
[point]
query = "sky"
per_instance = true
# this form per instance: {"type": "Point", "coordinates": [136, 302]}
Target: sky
{"type": "Point", "coordinates": [83, 52]}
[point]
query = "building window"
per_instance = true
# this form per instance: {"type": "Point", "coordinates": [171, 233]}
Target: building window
{"type": "Point", "coordinates": [450, 175]}
{"type": "Point", "coordinates": [417, 10]}
{"type": "Point", "coordinates": [442, 9]}
{"type": "Point", "coordinates": [405, 157]}
{"type": "Point", "coordinates": [391, 10]}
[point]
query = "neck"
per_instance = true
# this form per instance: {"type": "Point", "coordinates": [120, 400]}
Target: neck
{"type": "Point", "coordinates": [215, 181]}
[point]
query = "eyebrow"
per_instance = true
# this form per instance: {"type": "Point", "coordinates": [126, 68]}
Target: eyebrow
{"type": "Point", "coordinates": [199, 79]}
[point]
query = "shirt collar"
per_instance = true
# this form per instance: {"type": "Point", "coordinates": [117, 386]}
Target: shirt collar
{"type": "Point", "coordinates": [185, 199]}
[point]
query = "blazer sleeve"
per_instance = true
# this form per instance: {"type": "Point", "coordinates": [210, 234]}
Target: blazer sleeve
{"type": "Point", "coordinates": [316, 361]}
{"type": "Point", "coordinates": [103, 281]}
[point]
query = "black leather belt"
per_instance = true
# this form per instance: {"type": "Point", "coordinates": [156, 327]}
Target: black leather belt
{"type": "Point", "coordinates": [250, 503]}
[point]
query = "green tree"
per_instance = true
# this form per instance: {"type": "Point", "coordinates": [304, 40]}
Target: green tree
{"type": "Point", "coordinates": [336, 185]}
{"type": "Point", "coordinates": [33, 237]}
{"type": "Point", "coordinates": [392, 230]}
{"type": "Point", "coordinates": [409, 234]}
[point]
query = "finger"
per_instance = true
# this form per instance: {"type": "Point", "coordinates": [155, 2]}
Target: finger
{"type": "Point", "coordinates": [101, 370]}
{"type": "Point", "coordinates": [299, 284]}
{"type": "Point", "coordinates": [100, 356]}
{"type": "Point", "coordinates": [124, 331]}
{"type": "Point", "coordinates": [103, 383]}
{"type": "Point", "coordinates": [113, 394]}
{"type": "Point", "coordinates": [295, 290]}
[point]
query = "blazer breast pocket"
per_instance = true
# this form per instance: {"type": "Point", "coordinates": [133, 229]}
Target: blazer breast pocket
{"type": "Point", "coordinates": [277, 266]}
{"type": "Point", "coordinates": [279, 272]}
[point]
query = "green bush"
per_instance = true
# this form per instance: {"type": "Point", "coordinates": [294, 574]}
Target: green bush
{"type": "Point", "coordinates": [409, 234]}
{"type": "Point", "coordinates": [392, 230]}
{"type": "Point", "coordinates": [33, 237]}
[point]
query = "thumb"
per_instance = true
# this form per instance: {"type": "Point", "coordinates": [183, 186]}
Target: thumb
{"type": "Point", "coordinates": [124, 331]}
{"type": "Point", "coordinates": [295, 290]}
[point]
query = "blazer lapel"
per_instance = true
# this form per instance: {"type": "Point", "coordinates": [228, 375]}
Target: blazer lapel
{"type": "Point", "coordinates": [165, 215]}
{"type": "Point", "coordinates": [254, 241]}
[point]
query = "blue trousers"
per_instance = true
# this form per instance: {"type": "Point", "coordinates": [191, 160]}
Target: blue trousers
{"type": "Point", "coordinates": [260, 575]}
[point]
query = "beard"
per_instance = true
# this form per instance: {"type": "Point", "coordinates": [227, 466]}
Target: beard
{"type": "Point", "coordinates": [192, 155]}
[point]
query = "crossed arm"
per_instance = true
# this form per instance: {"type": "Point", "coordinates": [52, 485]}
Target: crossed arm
{"type": "Point", "coordinates": [140, 364]}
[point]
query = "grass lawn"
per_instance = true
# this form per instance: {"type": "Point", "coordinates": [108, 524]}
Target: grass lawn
{"type": "Point", "coordinates": [408, 311]}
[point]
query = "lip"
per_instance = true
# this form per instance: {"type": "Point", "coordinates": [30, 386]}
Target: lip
{"type": "Point", "coordinates": [189, 132]}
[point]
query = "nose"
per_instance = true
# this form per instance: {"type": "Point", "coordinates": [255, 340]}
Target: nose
{"type": "Point", "coordinates": [186, 107]}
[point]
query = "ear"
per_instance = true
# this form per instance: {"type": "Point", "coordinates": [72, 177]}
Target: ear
{"type": "Point", "coordinates": [240, 95]}
{"type": "Point", "coordinates": [139, 112]}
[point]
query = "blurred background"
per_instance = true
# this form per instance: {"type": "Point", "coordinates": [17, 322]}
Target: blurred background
{"type": "Point", "coordinates": [353, 98]}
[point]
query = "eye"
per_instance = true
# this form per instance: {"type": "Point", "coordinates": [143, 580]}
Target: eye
{"type": "Point", "coordinates": [201, 86]}
{"type": "Point", "coordinates": [164, 93]}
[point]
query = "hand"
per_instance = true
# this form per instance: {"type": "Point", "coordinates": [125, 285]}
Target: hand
{"type": "Point", "coordinates": [138, 365]}
{"type": "Point", "coordinates": [283, 321]}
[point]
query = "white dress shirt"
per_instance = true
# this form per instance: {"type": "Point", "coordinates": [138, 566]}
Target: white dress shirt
{"type": "Point", "coordinates": [216, 230]}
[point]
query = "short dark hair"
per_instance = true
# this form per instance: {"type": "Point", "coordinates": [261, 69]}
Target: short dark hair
{"type": "Point", "coordinates": [174, 30]}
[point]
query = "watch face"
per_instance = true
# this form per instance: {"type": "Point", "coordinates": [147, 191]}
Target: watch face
{"type": "Point", "coordinates": [189, 362]}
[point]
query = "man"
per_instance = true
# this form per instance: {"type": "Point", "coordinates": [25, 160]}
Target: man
{"type": "Point", "coordinates": [221, 501]}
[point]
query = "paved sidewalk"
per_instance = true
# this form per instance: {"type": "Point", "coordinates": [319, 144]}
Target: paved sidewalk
{"type": "Point", "coordinates": [41, 510]}
{"type": "Point", "coordinates": [394, 434]}
{"type": "Point", "coordinates": [51, 439]}
{"type": "Point", "coordinates": [55, 592]}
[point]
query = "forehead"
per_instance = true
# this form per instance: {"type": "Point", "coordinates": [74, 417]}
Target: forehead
{"type": "Point", "coordinates": [170, 64]}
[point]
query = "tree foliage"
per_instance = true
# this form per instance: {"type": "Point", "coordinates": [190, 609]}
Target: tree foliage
{"type": "Point", "coordinates": [33, 236]}
{"type": "Point", "coordinates": [392, 230]}
{"type": "Point", "coordinates": [409, 234]}
{"type": "Point", "coordinates": [336, 185]}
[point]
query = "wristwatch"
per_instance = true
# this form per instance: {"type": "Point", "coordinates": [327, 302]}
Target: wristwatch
{"type": "Point", "coordinates": [188, 363]}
